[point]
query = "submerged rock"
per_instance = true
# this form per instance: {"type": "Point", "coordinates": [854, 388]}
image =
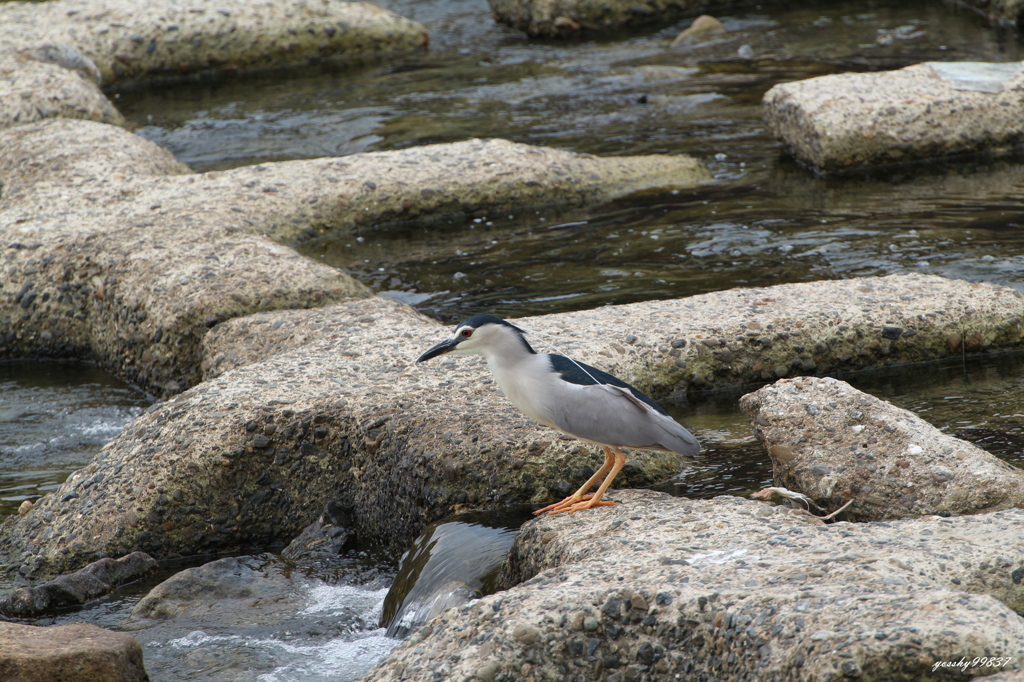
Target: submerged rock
{"type": "Point", "coordinates": [84, 585]}
{"type": "Point", "coordinates": [660, 588]}
{"type": "Point", "coordinates": [842, 121]}
{"type": "Point", "coordinates": [835, 444]}
{"type": "Point", "coordinates": [69, 653]}
{"type": "Point", "coordinates": [703, 27]}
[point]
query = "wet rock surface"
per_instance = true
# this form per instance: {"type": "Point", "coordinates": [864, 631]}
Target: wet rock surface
{"type": "Point", "coordinates": [451, 563]}
{"type": "Point", "coordinates": [324, 539]}
{"type": "Point", "coordinates": [86, 584]}
{"type": "Point", "coordinates": [728, 588]}
{"type": "Point", "coordinates": [224, 591]}
{"type": "Point", "coordinates": [834, 444]}
{"type": "Point", "coordinates": [71, 653]}
{"type": "Point", "coordinates": [923, 111]}
{"type": "Point", "coordinates": [115, 251]}
{"type": "Point", "coordinates": [56, 54]}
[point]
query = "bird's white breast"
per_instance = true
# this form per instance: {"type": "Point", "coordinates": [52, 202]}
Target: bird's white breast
{"type": "Point", "coordinates": [525, 383]}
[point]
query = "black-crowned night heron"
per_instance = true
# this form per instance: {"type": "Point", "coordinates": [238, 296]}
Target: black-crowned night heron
{"type": "Point", "coordinates": [577, 399]}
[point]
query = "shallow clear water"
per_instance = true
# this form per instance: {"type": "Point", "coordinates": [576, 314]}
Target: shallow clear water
{"type": "Point", "coordinates": [320, 626]}
{"type": "Point", "coordinates": [54, 418]}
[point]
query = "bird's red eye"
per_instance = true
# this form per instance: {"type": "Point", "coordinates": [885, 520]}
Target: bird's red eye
{"type": "Point", "coordinates": [466, 333]}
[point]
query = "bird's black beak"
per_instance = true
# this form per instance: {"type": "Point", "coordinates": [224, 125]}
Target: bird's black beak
{"type": "Point", "coordinates": [445, 346]}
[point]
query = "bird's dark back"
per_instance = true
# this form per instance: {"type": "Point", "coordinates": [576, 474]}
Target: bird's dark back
{"type": "Point", "coordinates": [574, 373]}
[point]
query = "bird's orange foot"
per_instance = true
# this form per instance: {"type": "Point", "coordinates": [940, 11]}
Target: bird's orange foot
{"type": "Point", "coordinates": [564, 504]}
{"type": "Point", "coordinates": [586, 504]}
{"type": "Point", "coordinates": [574, 504]}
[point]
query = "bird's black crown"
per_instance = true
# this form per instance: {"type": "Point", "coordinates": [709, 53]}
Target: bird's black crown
{"type": "Point", "coordinates": [478, 321]}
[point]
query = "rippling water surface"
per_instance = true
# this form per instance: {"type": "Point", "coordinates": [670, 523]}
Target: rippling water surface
{"type": "Point", "coordinates": [54, 418]}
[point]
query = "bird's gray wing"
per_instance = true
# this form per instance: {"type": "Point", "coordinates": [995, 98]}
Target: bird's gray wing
{"type": "Point", "coordinates": [612, 415]}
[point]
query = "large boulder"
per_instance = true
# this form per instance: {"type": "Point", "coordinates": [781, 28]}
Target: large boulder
{"type": "Point", "coordinates": [924, 111]}
{"type": "Point", "coordinates": [69, 653]}
{"type": "Point", "coordinates": [836, 444]}
{"type": "Point", "coordinates": [668, 588]}
{"type": "Point", "coordinates": [115, 251]}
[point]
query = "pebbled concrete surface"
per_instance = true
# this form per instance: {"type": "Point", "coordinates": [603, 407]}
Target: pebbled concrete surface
{"type": "Point", "coordinates": [666, 588]}
{"type": "Point", "coordinates": [111, 249]}
{"type": "Point", "coordinates": [843, 121]}
{"type": "Point", "coordinates": [834, 444]}
{"type": "Point", "coordinates": [304, 407]}
{"type": "Point", "coordinates": [55, 55]}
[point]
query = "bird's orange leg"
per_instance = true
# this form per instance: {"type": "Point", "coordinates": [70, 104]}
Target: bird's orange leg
{"type": "Point", "coordinates": [595, 500]}
{"type": "Point", "coordinates": [580, 495]}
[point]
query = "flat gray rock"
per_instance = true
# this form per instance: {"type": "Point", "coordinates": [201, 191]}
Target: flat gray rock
{"type": "Point", "coordinates": [225, 592]}
{"type": "Point", "coordinates": [115, 251]}
{"type": "Point", "coordinates": [668, 588]}
{"type": "Point", "coordinates": [54, 55]}
{"type": "Point", "coordinates": [834, 444]}
{"type": "Point", "coordinates": [842, 121]}
{"type": "Point", "coordinates": [95, 580]}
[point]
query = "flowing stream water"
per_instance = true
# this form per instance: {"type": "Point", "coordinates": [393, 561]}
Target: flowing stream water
{"type": "Point", "coordinates": [765, 221]}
